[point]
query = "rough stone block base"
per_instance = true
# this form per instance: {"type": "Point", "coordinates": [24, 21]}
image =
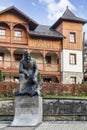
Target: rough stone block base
{"type": "Point", "coordinates": [28, 111]}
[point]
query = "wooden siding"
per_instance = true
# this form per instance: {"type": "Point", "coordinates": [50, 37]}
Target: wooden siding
{"type": "Point", "coordinates": [9, 17]}
{"type": "Point", "coordinates": [66, 28]}
{"type": "Point", "coordinates": [44, 44]}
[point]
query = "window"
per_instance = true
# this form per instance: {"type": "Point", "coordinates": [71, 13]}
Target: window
{"type": "Point", "coordinates": [48, 59]}
{"type": "Point", "coordinates": [2, 33]}
{"type": "Point", "coordinates": [73, 59]}
{"type": "Point", "coordinates": [73, 80]}
{"type": "Point", "coordinates": [1, 56]}
{"type": "Point", "coordinates": [18, 57]}
{"type": "Point", "coordinates": [47, 79]}
{"type": "Point", "coordinates": [17, 33]}
{"type": "Point", "coordinates": [1, 59]}
{"type": "Point", "coordinates": [72, 37]}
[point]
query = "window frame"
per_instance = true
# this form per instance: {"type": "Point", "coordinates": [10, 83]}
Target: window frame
{"type": "Point", "coordinates": [2, 35]}
{"type": "Point", "coordinates": [73, 79]}
{"type": "Point", "coordinates": [71, 60]}
{"type": "Point", "coordinates": [17, 36]}
{"type": "Point", "coordinates": [1, 29]}
{"type": "Point", "coordinates": [72, 37]}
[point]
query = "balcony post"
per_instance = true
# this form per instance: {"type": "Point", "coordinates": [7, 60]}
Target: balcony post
{"type": "Point", "coordinates": [11, 28]}
{"type": "Point", "coordinates": [44, 60]}
{"type": "Point", "coordinates": [11, 57]}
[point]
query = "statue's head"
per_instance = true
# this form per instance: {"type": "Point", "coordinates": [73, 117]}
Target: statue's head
{"type": "Point", "coordinates": [27, 55]}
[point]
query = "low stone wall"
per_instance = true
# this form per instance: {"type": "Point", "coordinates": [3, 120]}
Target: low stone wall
{"type": "Point", "coordinates": [53, 110]}
{"type": "Point", "coordinates": [64, 109]}
{"type": "Point", "coordinates": [6, 110]}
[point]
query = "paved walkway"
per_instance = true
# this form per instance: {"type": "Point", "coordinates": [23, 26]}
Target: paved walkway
{"type": "Point", "coordinates": [62, 126]}
{"type": "Point", "coordinates": [4, 124]}
{"type": "Point", "coordinates": [57, 125]}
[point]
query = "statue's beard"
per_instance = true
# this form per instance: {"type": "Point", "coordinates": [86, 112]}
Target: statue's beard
{"type": "Point", "coordinates": [28, 59]}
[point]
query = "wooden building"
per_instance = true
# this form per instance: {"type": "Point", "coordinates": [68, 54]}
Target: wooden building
{"type": "Point", "coordinates": [57, 48]}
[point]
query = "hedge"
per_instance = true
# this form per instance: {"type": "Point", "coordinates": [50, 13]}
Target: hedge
{"type": "Point", "coordinates": [7, 89]}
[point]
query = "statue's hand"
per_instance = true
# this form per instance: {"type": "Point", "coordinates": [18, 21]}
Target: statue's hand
{"type": "Point", "coordinates": [27, 75]}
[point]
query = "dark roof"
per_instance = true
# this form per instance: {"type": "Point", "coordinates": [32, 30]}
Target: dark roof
{"type": "Point", "coordinates": [68, 16]}
{"type": "Point", "coordinates": [15, 10]}
{"type": "Point", "coordinates": [45, 31]}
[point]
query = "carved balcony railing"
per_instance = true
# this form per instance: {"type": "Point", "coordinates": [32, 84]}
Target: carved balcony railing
{"type": "Point", "coordinates": [4, 38]}
{"type": "Point", "coordinates": [51, 67]}
{"type": "Point", "coordinates": [18, 40]}
{"type": "Point", "coordinates": [42, 67]}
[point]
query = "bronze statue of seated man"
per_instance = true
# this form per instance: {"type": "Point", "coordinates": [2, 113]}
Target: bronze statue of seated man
{"type": "Point", "coordinates": [28, 76]}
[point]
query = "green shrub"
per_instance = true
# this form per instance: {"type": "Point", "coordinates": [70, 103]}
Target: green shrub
{"type": "Point", "coordinates": [39, 77]}
{"type": "Point", "coordinates": [1, 76]}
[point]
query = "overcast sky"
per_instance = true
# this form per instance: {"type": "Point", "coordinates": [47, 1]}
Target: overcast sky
{"type": "Point", "coordinates": [48, 11]}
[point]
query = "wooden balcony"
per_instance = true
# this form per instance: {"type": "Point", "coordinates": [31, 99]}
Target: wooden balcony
{"type": "Point", "coordinates": [48, 67]}
{"type": "Point", "coordinates": [18, 40]}
{"type": "Point", "coordinates": [51, 67]}
{"type": "Point", "coordinates": [7, 65]}
{"type": "Point", "coordinates": [5, 39]}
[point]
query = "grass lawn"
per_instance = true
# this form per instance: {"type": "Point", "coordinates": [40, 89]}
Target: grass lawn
{"type": "Point", "coordinates": [6, 98]}
{"type": "Point", "coordinates": [65, 97]}
{"type": "Point", "coordinates": [50, 97]}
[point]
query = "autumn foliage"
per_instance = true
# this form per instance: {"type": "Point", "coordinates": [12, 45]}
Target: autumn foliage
{"type": "Point", "coordinates": [7, 89]}
{"type": "Point", "coordinates": [64, 90]}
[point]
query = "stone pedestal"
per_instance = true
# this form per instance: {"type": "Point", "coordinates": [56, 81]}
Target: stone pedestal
{"type": "Point", "coordinates": [28, 111]}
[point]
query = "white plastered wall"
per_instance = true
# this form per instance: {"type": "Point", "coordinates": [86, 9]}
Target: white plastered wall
{"type": "Point", "coordinates": [66, 66]}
